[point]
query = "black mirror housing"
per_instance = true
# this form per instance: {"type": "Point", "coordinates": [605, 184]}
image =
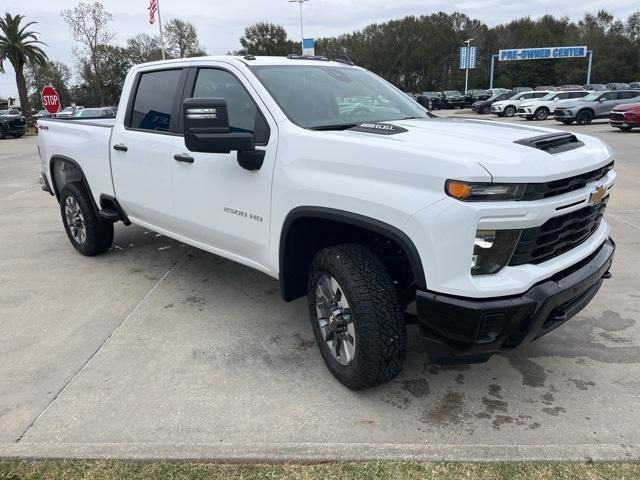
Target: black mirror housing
{"type": "Point", "coordinates": [206, 128]}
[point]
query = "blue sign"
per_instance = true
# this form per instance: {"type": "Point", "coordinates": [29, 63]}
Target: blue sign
{"type": "Point", "coordinates": [542, 53]}
{"type": "Point", "coordinates": [468, 57]}
{"type": "Point", "coordinates": [308, 47]}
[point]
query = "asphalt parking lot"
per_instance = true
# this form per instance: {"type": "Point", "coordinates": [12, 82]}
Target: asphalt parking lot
{"type": "Point", "coordinates": [157, 349]}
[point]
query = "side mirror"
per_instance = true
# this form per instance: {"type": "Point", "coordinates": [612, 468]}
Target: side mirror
{"type": "Point", "coordinates": [556, 99]}
{"type": "Point", "coordinates": [206, 129]}
{"type": "Point", "coordinates": [601, 99]}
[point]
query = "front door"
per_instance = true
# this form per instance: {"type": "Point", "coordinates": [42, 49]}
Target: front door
{"type": "Point", "coordinates": [217, 203]}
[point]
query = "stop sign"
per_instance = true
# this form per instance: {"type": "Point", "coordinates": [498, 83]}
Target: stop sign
{"type": "Point", "coordinates": [50, 99]}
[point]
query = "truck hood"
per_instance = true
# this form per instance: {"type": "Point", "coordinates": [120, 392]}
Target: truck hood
{"type": "Point", "coordinates": [491, 144]}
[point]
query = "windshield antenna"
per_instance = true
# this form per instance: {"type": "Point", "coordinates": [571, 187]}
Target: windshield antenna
{"type": "Point", "coordinates": [344, 58]}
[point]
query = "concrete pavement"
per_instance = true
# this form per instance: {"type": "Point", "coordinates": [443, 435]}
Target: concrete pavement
{"type": "Point", "coordinates": [158, 350]}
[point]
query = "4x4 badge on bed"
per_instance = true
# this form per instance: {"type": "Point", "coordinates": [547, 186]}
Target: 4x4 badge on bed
{"type": "Point", "coordinates": [597, 196]}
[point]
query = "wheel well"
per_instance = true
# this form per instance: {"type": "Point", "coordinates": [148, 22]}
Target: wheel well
{"type": "Point", "coordinates": [586, 110]}
{"type": "Point", "coordinates": [63, 171]}
{"type": "Point", "coordinates": [306, 232]}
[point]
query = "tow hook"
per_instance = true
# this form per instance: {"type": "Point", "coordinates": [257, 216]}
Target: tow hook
{"type": "Point", "coordinates": [607, 275]}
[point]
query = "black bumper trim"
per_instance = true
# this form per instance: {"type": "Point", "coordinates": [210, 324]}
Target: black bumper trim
{"type": "Point", "coordinates": [458, 329]}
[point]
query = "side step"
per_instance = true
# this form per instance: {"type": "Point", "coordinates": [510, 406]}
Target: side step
{"type": "Point", "coordinates": [110, 214]}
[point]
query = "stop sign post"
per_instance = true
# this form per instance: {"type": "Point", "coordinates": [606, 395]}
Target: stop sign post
{"type": "Point", "coordinates": [50, 99]}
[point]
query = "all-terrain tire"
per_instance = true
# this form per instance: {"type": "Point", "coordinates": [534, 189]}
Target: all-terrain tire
{"type": "Point", "coordinates": [374, 304]}
{"type": "Point", "coordinates": [98, 233]}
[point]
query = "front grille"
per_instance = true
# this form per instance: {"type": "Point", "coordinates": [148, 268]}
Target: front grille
{"type": "Point", "coordinates": [17, 122]}
{"type": "Point", "coordinates": [538, 191]}
{"type": "Point", "coordinates": [558, 112]}
{"type": "Point", "coordinates": [521, 110]}
{"type": "Point", "coordinates": [558, 235]}
{"type": "Point", "coordinates": [617, 116]}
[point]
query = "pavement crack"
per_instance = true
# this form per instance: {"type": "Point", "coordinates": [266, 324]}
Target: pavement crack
{"type": "Point", "coordinates": [98, 350]}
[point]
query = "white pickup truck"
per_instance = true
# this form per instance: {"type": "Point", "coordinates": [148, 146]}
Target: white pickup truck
{"type": "Point", "coordinates": [328, 178]}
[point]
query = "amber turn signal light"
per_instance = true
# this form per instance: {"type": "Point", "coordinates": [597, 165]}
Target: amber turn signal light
{"type": "Point", "coordinates": [459, 190]}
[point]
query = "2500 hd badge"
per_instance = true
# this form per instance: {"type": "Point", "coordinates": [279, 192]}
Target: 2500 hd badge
{"type": "Point", "coordinates": [489, 236]}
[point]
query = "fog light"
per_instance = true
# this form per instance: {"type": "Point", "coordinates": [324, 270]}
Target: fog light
{"type": "Point", "coordinates": [492, 250]}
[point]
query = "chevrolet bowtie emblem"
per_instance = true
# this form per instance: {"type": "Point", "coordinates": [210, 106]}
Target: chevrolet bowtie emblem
{"type": "Point", "coordinates": [597, 196]}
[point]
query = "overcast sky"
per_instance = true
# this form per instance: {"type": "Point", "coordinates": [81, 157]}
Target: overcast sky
{"type": "Point", "coordinates": [221, 23]}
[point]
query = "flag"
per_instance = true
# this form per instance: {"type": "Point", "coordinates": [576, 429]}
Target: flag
{"type": "Point", "coordinates": [153, 9]}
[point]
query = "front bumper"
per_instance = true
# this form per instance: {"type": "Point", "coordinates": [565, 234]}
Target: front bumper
{"type": "Point", "coordinates": [467, 330]}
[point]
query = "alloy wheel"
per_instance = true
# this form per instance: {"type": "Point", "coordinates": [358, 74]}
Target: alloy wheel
{"type": "Point", "coordinates": [335, 319]}
{"type": "Point", "coordinates": [75, 220]}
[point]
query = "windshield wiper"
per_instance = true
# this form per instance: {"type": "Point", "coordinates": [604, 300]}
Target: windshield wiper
{"type": "Point", "coordinates": [339, 126]}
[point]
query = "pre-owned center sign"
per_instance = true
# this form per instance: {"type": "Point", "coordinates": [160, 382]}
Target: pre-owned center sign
{"type": "Point", "coordinates": [542, 53]}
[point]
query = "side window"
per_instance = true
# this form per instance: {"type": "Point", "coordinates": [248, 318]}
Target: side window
{"type": "Point", "coordinates": [538, 94]}
{"type": "Point", "coordinates": [563, 96]}
{"type": "Point", "coordinates": [577, 94]}
{"type": "Point", "coordinates": [626, 95]}
{"type": "Point", "coordinates": [153, 102]}
{"type": "Point", "coordinates": [610, 96]}
{"type": "Point", "coordinates": [244, 115]}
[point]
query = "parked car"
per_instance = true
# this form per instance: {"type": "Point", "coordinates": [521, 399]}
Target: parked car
{"type": "Point", "coordinates": [595, 105]}
{"type": "Point", "coordinates": [618, 86]}
{"type": "Point", "coordinates": [484, 106]}
{"type": "Point", "coordinates": [498, 91]}
{"type": "Point", "coordinates": [541, 108]}
{"type": "Point", "coordinates": [252, 160]}
{"type": "Point", "coordinates": [522, 89]}
{"type": "Point", "coordinates": [453, 99]}
{"type": "Point", "coordinates": [68, 111]}
{"type": "Point", "coordinates": [634, 85]}
{"type": "Point", "coordinates": [625, 117]}
{"type": "Point", "coordinates": [12, 123]}
{"type": "Point", "coordinates": [595, 87]}
{"type": "Point", "coordinates": [508, 108]}
{"type": "Point", "coordinates": [41, 114]}
{"type": "Point", "coordinates": [546, 88]}
{"type": "Point", "coordinates": [436, 99]}
{"type": "Point", "coordinates": [100, 112]}
{"type": "Point", "coordinates": [565, 88]}
{"type": "Point", "coordinates": [476, 95]}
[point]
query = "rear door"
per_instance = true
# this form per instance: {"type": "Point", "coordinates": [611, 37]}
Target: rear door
{"type": "Point", "coordinates": [218, 203]}
{"type": "Point", "coordinates": [141, 159]}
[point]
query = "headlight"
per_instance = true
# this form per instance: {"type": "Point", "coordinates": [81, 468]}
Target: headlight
{"type": "Point", "coordinates": [476, 192]}
{"type": "Point", "coordinates": [492, 250]}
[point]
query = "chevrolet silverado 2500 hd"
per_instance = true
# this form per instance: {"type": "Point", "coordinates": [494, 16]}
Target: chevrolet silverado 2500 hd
{"type": "Point", "coordinates": [328, 178]}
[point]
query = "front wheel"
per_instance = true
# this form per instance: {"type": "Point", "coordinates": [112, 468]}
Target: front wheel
{"type": "Point", "coordinates": [356, 316]}
{"type": "Point", "coordinates": [625, 129]}
{"type": "Point", "coordinates": [510, 111]}
{"type": "Point", "coordinates": [584, 118]}
{"type": "Point", "coordinates": [542, 114]}
{"type": "Point", "coordinates": [88, 233]}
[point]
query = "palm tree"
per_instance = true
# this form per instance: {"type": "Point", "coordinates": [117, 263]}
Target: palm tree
{"type": "Point", "coordinates": [20, 46]}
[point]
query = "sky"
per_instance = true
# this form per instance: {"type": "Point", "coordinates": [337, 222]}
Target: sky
{"type": "Point", "coordinates": [220, 23]}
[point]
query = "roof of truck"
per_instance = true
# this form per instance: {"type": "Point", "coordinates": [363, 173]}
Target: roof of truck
{"type": "Point", "coordinates": [252, 60]}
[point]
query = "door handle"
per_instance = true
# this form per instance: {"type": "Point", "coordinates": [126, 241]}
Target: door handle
{"type": "Point", "coordinates": [120, 147]}
{"type": "Point", "coordinates": [183, 157]}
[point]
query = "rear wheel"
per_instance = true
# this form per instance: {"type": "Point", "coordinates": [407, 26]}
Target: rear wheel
{"type": "Point", "coordinates": [542, 113]}
{"type": "Point", "coordinates": [356, 316]}
{"type": "Point", "coordinates": [3, 132]}
{"type": "Point", "coordinates": [510, 111]}
{"type": "Point", "coordinates": [585, 117]}
{"type": "Point", "coordinates": [88, 233]}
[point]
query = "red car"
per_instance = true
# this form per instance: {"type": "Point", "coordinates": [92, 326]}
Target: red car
{"type": "Point", "coordinates": [625, 117]}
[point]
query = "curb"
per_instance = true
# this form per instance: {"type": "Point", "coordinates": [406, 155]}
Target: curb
{"type": "Point", "coordinates": [321, 452]}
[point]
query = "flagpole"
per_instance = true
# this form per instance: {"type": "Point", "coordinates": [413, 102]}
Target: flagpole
{"type": "Point", "coordinates": [160, 25]}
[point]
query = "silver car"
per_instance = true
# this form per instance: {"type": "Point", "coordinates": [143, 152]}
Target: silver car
{"type": "Point", "coordinates": [595, 105]}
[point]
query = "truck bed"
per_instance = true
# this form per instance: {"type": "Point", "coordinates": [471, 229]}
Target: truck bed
{"type": "Point", "coordinates": [84, 141]}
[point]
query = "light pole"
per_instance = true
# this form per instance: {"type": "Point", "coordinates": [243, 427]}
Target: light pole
{"type": "Point", "coordinates": [301, 30]}
{"type": "Point", "coordinates": [466, 76]}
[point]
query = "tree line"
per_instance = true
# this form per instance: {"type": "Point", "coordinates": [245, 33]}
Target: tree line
{"type": "Point", "coordinates": [416, 53]}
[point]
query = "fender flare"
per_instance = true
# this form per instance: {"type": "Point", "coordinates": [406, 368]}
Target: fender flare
{"type": "Point", "coordinates": [361, 221]}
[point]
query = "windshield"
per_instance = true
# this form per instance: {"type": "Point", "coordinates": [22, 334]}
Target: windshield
{"type": "Point", "coordinates": [591, 97]}
{"type": "Point", "coordinates": [314, 96]}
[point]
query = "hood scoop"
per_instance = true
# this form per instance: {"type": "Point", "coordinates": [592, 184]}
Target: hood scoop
{"type": "Point", "coordinates": [552, 143]}
{"type": "Point", "coordinates": [378, 128]}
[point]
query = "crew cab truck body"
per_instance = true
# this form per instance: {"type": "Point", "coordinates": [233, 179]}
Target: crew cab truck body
{"type": "Point", "coordinates": [492, 235]}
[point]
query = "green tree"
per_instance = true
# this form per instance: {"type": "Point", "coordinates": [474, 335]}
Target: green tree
{"type": "Point", "coordinates": [181, 39]}
{"type": "Point", "coordinates": [114, 64]}
{"type": "Point", "coordinates": [264, 38]}
{"type": "Point", "coordinates": [52, 73]}
{"type": "Point", "coordinates": [89, 25]}
{"type": "Point", "coordinates": [20, 46]}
